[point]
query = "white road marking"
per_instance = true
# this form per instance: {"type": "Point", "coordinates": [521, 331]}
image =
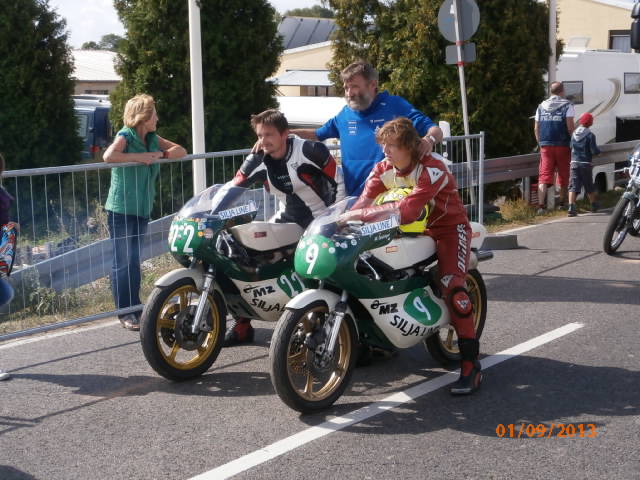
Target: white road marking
{"type": "Point", "coordinates": [291, 443]}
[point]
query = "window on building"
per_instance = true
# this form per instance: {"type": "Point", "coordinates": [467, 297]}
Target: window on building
{"type": "Point", "coordinates": [96, 92]}
{"type": "Point", "coordinates": [574, 91]}
{"type": "Point", "coordinates": [632, 83]}
{"type": "Point", "coordinates": [318, 91]}
{"type": "Point", "coordinates": [620, 40]}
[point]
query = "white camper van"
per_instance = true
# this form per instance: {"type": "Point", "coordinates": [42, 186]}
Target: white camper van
{"type": "Point", "coordinates": [606, 84]}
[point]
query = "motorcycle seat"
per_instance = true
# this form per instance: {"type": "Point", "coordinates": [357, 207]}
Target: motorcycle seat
{"type": "Point", "coordinates": [405, 252]}
{"type": "Point", "coordinates": [265, 236]}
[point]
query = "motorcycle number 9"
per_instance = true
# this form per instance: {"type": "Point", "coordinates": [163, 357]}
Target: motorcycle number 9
{"type": "Point", "coordinates": [311, 257]}
{"type": "Point", "coordinates": [178, 234]}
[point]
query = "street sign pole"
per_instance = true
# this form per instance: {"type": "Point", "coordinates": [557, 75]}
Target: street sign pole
{"type": "Point", "coordinates": [459, 43]}
{"type": "Point", "coordinates": [463, 91]}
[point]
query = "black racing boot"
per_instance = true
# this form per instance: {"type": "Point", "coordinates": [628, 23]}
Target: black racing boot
{"type": "Point", "coordinates": [470, 368]}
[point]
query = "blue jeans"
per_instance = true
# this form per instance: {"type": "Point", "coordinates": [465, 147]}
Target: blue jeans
{"type": "Point", "coordinates": [127, 235]}
{"type": "Point", "coordinates": [6, 291]}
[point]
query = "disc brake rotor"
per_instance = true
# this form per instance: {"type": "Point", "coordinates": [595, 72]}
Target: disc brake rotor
{"type": "Point", "coordinates": [184, 337]}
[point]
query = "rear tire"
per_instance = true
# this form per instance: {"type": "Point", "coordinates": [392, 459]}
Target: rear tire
{"type": "Point", "coordinates": [616, 230]}
{"type": "Point", "coordinates": [297, 380]}
{"type": "Point", "coordinates": [443, 345]}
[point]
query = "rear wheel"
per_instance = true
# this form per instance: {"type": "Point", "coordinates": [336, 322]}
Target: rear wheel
{"type": "Point", "coordinates": [617, 227]}
{"type": "Point", "coordinates": [299, 378]}
{"type": "Point", "coordinates": [443, 345]}
{"type": "Point", "coordinates": [165, 331]}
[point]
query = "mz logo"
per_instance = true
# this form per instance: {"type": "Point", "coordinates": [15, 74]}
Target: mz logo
{"type": "Point", "coordinates": [260, 291]}
{"type": "Point", "coordinates": [385, 307]}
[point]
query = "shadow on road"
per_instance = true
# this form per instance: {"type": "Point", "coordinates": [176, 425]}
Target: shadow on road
{"type": "Point", "coordinates": [534, 288]}
{"type": "Point", "coordinates": [525, 390]}
{"type": "Point", "coordinates": [10, 473]}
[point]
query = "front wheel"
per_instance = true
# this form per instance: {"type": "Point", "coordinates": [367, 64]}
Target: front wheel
{"type": "Point", "coordinates": [165, 331]}
{"type": "Point", "coordinates": [617, 227]}
{"type": "Point", "coordinates": [296, 374]}
{"type": "Point", "coordinates": [443, 345]}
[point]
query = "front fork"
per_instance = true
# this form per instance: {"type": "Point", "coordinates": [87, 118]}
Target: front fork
{"type": "Point", "coordinates": [324, 351]}
{"type": "Point", "coordinates": [199, 319]}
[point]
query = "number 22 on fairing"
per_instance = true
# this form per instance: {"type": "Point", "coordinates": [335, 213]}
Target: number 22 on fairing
{"type": "Point", "coordinates": [179, 232]}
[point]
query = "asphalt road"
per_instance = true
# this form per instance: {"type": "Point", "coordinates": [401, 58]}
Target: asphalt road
{"type": "Point", "coordinates": [83, 403]}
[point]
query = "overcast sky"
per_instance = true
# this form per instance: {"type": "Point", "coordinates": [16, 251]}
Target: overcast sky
{"type": "Point", "coordinates": [89, 20]}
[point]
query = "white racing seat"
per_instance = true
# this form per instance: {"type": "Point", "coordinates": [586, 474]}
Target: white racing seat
{"type": "Point", "coordinates": [265, 236]}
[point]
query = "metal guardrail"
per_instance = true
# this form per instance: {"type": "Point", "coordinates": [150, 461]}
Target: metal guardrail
{"type": "Point", "coordinates": [75, 267]}
{"type": "Point", "coordinates": [520, 166]}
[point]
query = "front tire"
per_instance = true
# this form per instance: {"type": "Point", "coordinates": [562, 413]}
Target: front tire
{"type": "Point", "coordinates": [167, 342]}
{"type": "Point", "coordinates": [616, 230]}
{"type": "Point", "coordinates": [443, 345]}
{"type": "Point", "coordinates": [297, 379]}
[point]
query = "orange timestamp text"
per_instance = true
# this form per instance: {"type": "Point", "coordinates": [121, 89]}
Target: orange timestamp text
{"type": "Point", "coordinates": [540, 430]}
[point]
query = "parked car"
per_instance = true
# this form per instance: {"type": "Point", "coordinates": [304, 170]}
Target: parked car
{"type": "Point", "coordinates": [92, 112]}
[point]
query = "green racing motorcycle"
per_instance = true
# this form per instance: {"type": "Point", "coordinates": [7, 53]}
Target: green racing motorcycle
{"type": "Point", "coordinates": [230, 263]}
{"type": "Point", "coordinates": [377, 288]}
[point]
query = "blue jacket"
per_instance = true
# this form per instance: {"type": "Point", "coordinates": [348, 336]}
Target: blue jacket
{"type": "Point", "coordinates": [357, 133]}
{"type": "Point", "coordinates": [583, 147]}
{"type": "Point", "coordinates": [552, 122]}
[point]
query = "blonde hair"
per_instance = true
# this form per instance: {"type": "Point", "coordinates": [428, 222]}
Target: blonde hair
{"type": "Point", "coordinates": [401, 131]}
{"type": "Point", "coordinates": [138, 109]}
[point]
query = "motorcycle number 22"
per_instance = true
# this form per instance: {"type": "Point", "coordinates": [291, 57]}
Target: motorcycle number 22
{"type": "Point", "coordinates": [181, 236]}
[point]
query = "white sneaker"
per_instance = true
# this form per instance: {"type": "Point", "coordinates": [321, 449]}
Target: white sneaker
{"type": "Point", "coordinates": [4, 375]}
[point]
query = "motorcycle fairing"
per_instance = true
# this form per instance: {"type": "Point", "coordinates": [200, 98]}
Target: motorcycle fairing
{"type": "Point", "coordinates": [268, 297]}
{"type": "Point", "coordinates": [408, 318]}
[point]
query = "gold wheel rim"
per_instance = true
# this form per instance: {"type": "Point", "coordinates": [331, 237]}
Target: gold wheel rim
{"type": "Point", "coordinates": [310, 384]}
{"type": "Point", "coordinates": [180, 299]}
{"type": "Point", "coordinates": [448, 337]}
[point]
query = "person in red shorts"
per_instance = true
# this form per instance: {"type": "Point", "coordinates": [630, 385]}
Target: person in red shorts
{"type": "Point", "coordinates": [406, 166]}
{"type": "Point", "coordinates": [553, 128]}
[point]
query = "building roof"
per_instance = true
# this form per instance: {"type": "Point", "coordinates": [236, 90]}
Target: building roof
{"type": "Point", "coordinates": [318, 78]}
{"type": "Point", "coordinates": [310, 111]}
{"type": "Point", "coordinates": [626, 4]}
{"type": "Point", "coordinates": [94, 66]}
{"type": "Point", "coordinates": [300, 31]}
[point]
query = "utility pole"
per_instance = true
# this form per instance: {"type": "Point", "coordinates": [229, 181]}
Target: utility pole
{"type": "Point", "coordinates": [552, 40]}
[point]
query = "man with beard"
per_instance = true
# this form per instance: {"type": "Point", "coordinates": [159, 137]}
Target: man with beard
{"type": "Point", "coordinates": [357, 123]}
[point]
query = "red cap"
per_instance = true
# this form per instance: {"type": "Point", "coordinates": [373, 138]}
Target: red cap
{"type": "Point", "coordinates": [586, 119]}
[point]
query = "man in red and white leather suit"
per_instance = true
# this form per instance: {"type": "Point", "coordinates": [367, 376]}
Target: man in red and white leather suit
{"type": "Point", "coordinates": [432, 184]}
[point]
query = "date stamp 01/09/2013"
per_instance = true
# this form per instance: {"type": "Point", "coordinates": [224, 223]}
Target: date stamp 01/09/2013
{"type": "Point", "coordinates": [540, 430]}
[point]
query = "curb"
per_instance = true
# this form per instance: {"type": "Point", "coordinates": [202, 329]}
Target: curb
{"type": "Point", "coordinates": [500, 242]}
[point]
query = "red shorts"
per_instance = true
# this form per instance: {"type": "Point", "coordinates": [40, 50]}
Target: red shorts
{"type": "Point", "coordinates": [552, 158]}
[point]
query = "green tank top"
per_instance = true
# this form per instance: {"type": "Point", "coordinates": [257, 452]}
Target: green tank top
{"type": "Point", "coordinates": [133, 189]}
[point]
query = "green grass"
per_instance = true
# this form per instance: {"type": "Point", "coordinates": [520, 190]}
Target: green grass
{"type": "Point", "coordinates": [514, 213]}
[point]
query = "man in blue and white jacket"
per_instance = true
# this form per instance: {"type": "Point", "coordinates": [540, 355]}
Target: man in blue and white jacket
{"type": "Point", "coordinates": [553, 128]}
{"type": "Point", "coordinates": [357, 123]}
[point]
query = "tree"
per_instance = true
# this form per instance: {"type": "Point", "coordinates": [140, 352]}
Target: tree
{"type": "Point", "coordinates": [316, 12]}
{"type": "Point", "coordinates": [111, 42]}
{"type": "Point", "coordinates": [154, 58]}
{"type": "Point", "coordinates": [90, 46]}
{"type": "Point", "coordinates": [240, 49]}
{"type": "Point", "coordinates": [37, 123]}
{"type": "Point", "coordinates": [504, 85]}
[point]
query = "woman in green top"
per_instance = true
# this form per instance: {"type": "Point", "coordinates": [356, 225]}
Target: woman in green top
{"type": "Point", "coordinates": [131, 196]}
